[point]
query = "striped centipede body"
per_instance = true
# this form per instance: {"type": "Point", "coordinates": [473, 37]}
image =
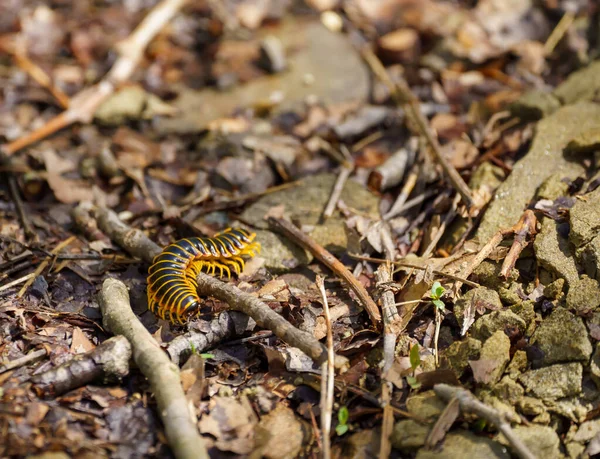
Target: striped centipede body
{"type": "Point", "coordinates": [172, 283]}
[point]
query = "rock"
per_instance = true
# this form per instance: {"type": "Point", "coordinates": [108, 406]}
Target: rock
{"type": "Point", "coordinates": [488, 275]}
{"type": "Point", "coordinates": [552, 188]}
{"type": "Point", "coordinates": [534, 105]}
{"type": "Point", "coordinates": [554, 252]}
{"type": "Point", "coordinates": [517, 365]}
{"type": "Point", "coordinates": [337, 75]}
{"type": "Point", "coordinates": [553, 382]}
{"type": "Point", "coordinates": [586, 142]}
{"type": "Point", "coordinates": [542, 440]}
{"type": "Point", "coordinates": [589, 257]}
{"type": "Point", "coordinates": [493, 358]}
{"type": "Point", "coordinates": [462, 444]}
{"type": "Point", "coordinates": [363, 444]}
{"type": "Point", "coordinates": [584, 296]}
{"type": "Point", "coordinates": [581, 85]}
{"type": "Point", "coordinates": [425, 405]}
{"type": "Point", "coordinates": [525, 310]}
{"type": "Point", "coordinates": [305, 203]}
{"type": "Point", "coordinates": [487, 325]}
{"type": "Point", "coordinates": [531, 406]}
{"type": "Point", "coordinates": [586, 431]}
{"type": "Point", "coordinates": [409, 434]}
{"type": "Point", "coordinates": [554, 291]}
{"type": "Point", "coordinates": [574, 408]}
{"type": "Point", "coordinates": [584, 218]}
{"type": "Point", "coordinates": [478, 295]}
{"type": "Point", "coordinates": [544, 158]}
{"type": "Point", "coordinates": [562, 337]}
{"type": "Point", "coordinates": [585, 232]}
{"type": "Point", "coordinates": [595, 365]}
{"type": "Point", "coordinates": [460, 352]}
{"type": "Point", "coordinates": [511, 295]}
{"type": "Point", "coordinates": [131, 103]}
{"type": "Point", "coordinates": [279, 253]}
{"type": "Point", "coordinates": [509, 390]}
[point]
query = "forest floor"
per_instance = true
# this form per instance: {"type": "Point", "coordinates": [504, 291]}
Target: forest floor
{"type": "Point", "coordinates": [423, 180]}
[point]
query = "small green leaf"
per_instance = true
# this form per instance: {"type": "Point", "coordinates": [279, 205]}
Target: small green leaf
{"type": "Point", "coordinates": [439, 304]}
{"type": "Point", "coordinates": [207, 356]}
{"type": "Point", "coordinates": [413, 383]}
{"type": "Point", "coordinates": [341, 429]}
{"type": "Point", "coordinates": [193, 348]}
{"type": "Point", "coordinates": [437, 291]}
{"type": "Point", "coordinates": [414, 357]}
{"type": "Point", "coordinates": [343, 415]}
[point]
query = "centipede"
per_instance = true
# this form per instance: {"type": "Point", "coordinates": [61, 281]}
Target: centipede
{"type": "Point", "coordinates": [172, 286]}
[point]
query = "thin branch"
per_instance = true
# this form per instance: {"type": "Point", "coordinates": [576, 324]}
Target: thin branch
{"type": "Point", "coordinates": [84, 104]}
{"type": "Point", "coordinates": [559, 31]}
{"type": "Point", "coordinates": [470, 404]}
{"type": "Point", "coordinates": [391, 319]}
{"type": "Point", "coordinates": [44, 264]}
{"type": "Point", "coordinates": [404, 264]}
{"type": "Point", "coordinates": [328, 377]}
{"type": "Point", "coordinates": [21, 361]}
{"type": "Point", "coordinates": [13, 188]}
{"type": "Point", "coordinates": [402, 94]}
{"type": "Point", "coordinates": [337, 191]}
{"type": "Point", "coordinates": [387, 425]}
{"type": "Point", "coordinates": [301, 239]}
{"type": "Point", "coordinates": [265, 317]}
{"type": "Point", "coordinates": [163, 375]}
{"type": "Point", "coordinates": [107, 362]}
{"type": "Point", "coordinates": [525, 227]}
{"type": "Point", "coordinates": [407, 188]}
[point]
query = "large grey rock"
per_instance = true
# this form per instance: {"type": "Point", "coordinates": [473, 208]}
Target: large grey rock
{"type": "Point", "coordinates": [305, 203]}
{"type": "Point", "coordinates": [554, 382]}
{"type": "Point", "coordinates": [463, 444]}
{"type": "Point", "coordinates": [488, 324]}
{"type": "Point", "coordinates": [542, 440]}
{"type": "Point", "coordinates": [338, 75]}
{"type": "Point", "coordinates": [544, 158]}
{"type": "Point", "coordinates": [562, 337]}
{"type": "Point", "coordinates": [581, 85]}
{"type": "Point", "coordinates": [554, 253]}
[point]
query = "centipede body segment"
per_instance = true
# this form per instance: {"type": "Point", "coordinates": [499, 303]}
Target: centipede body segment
{"type": "Point", "coordinates": [172, 283]}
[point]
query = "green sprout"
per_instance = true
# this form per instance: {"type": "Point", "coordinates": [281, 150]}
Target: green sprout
{"type": "Point", "coordinates": [415, 361]}
{"type": "Point", "coordinates": [343, 416]}
{"type": "Point", "coordinates": [437, 292]}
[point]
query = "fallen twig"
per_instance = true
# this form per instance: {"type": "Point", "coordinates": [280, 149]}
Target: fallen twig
{"type": "Point", "coordinates": [265, 317]}
{"type": "Point", "coordinates": [337, 191]}
{"type": "Point", "coordinates": [404, 264]}
{"type": "Point", "coordinates": [163, 375]}
{"type": "Point", "coordinates": [525, 227]}
{"type": "Point", "coordinates": [407, 188]}
{"type": "Point", "coordinates": [387, 424]}
{"type": "Point", "coordinates": [21, 361]}
{"type": "Point", "coordinates": [391, 318]}
{"type": "Point", "coordinates": [224, 326]}
{"type": "Point", "coordinates": [108, 362]}
{"type": "Point", "coordinates": [86, 223]}
{"type": "Point", "coordinates": [390, 173]}
{"type": "Point", "coordinates": [13, 188]}
{"type": "Point", "coordinates": [403, 95]}
{"type": "Point", "coordinates": [470, 404]}
{"type": "Point", "coordinates": [44, 264]}
{"type": "Point", "coordinates": [331, 262]}
{"type": "Point", "coordinates": [84, 104]}
{"type": "Point", "coordinates": [327, 377]}
{"type": "Point", "coordinates": [138, 244]}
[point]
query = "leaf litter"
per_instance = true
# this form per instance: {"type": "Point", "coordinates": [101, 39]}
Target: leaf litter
{"type": "Point", "coordinates": [288, 119]}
